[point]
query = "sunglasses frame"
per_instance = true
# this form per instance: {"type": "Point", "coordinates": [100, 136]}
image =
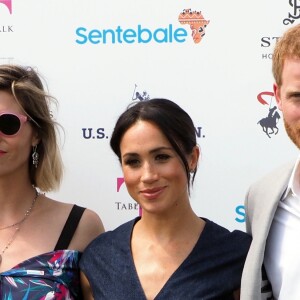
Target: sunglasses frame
{"type": "Point", "coordinates": [22, 118]}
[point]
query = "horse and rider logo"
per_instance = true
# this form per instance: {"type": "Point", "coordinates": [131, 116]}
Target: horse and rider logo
{"type": "Point", "coordinates": [269, 123]}
{"type": "Point", "coordinates": [141, 96]}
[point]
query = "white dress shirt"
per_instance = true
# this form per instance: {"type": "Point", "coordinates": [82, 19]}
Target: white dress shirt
{"type": "Point", "coordinates": [282, 255]}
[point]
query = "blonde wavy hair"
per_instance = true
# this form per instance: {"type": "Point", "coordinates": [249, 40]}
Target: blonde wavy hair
{"type": "Point", "coordinates": [26, 86]}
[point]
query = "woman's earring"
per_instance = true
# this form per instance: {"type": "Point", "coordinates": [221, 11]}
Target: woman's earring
{"type": "Point", "coordinates": [35, 156]}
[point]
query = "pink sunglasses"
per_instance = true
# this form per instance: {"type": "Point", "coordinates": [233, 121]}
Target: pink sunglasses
{"type": "Point", "coordinates": [11, 123]}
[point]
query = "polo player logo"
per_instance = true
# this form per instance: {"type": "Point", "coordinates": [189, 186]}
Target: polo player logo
{"type": "Point", "coordinates": [269, 123]}
{"type": "Point", "coordinates": [143, 96]}
{"type": "Point", "coordinates": [8, 4]}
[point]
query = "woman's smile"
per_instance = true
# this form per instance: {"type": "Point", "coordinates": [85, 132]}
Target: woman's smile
{"type": "Point", "coordinates": [152, 193]}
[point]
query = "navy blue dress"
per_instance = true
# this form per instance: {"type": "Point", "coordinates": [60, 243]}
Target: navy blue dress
{"type": "Point", "coordinates": [212, 270]}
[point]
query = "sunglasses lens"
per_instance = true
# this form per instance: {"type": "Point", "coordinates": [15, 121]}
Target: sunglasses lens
{"type": "Point", "coordinates": [9, 124]}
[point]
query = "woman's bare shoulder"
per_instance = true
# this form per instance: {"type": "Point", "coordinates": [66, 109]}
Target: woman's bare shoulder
{"type": "Point", "coordinates": [89, 227]}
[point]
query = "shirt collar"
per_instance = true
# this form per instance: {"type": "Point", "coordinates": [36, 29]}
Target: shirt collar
{"type": "Point", "coordinates": [293, 187]}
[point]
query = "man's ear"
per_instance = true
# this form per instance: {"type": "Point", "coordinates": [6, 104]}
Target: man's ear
{"type": "Point", "coordinates": [276, 90]}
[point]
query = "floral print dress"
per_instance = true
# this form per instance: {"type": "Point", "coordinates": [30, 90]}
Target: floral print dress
{"type": "Point", "coordinates": [52, 275]}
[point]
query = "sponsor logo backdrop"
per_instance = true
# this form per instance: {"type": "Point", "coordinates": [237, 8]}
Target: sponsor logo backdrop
{"type": "Point", "coordinates": [213, 59]}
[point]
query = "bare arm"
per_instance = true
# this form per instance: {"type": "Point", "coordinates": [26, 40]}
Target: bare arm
{"type": "Point", "coordinates": [86, 287]}
{"type": "Point", "coordinates": [89, 228]}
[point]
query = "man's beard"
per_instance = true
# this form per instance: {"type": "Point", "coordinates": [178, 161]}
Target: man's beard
{"type": "Point", "coordinates": [293, 133]}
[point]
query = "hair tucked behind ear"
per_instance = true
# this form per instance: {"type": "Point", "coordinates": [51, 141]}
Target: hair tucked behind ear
{"type": "Point", "coordinates": [170, 118]}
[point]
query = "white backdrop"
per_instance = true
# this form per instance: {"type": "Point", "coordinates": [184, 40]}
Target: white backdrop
{"type": "Point", "coordinates": [95, 77]}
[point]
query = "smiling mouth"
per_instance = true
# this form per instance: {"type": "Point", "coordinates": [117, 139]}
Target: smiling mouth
{"type": "Point", "coordinates": [152, 193]}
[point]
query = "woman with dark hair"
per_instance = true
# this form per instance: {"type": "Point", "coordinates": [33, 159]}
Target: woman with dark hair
{"type": "Point", "coordinates": [168, 252]}
{"type": "Point", "coordinates": [41, 239]}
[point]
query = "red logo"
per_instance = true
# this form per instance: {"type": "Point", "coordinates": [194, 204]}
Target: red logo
{"type": "Point", "coordinates": [261, 99]}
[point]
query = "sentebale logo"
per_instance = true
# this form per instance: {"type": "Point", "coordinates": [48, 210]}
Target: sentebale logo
{"type": "Point", "coordinates": [141, 34]}
{"type": "Point", "coordinates": [8, 4]}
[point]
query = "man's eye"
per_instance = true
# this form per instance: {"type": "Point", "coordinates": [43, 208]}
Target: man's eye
{"type": "Point", "coordinates": [297, 95]}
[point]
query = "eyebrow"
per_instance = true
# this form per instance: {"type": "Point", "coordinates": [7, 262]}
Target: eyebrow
{"type": "Point", "coordinates": [151, 151]}
{"type": "Point", "coordinates": [161, 148]}
{"type": "Point", "coordinates": [292, 92]}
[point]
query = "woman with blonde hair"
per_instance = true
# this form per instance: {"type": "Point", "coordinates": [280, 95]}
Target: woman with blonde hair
{"type": "Point", "coordinates": [41, 239]}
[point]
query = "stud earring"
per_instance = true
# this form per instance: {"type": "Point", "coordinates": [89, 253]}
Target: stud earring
{"type": "Point", "coordinates": [35, 156]}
